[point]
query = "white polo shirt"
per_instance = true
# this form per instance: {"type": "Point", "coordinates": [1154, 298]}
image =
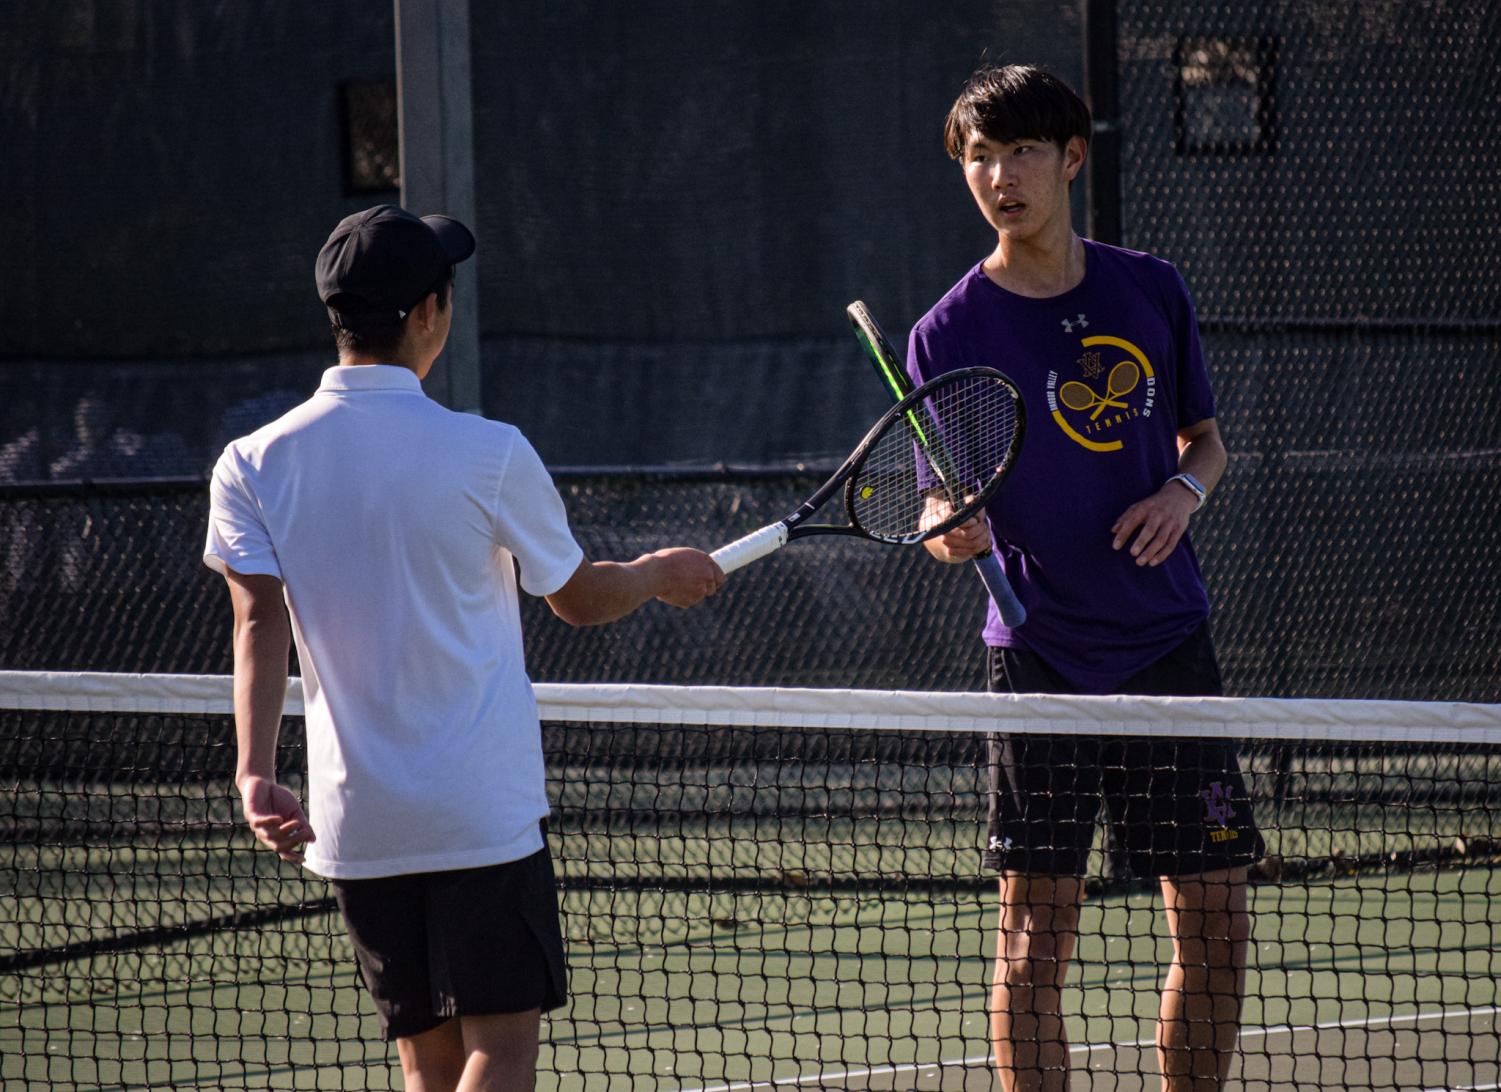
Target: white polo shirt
{"type": "Point", "coordinates": [393, 524]}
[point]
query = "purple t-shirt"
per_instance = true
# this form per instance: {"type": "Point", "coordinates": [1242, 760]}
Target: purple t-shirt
{"type": "Point", "coordinates": [1109, 372]}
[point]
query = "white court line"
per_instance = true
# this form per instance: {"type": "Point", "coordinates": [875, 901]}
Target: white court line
{"type": "Point", "coordinates": [1375, 1021]}
{"type": "Point", "coordinates": [887, 1070]}
{"type": "Point", "coordinates": [842, 1074]}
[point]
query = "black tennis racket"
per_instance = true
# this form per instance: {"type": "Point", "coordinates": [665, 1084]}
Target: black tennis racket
{"type": "Point", "coordinates": [888, 480]}
{"type": "Point", "coordinates": [899, 385]}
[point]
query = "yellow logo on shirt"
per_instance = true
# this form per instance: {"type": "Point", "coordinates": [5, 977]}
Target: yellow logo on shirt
{"type": "Point", "coordinates": [1110, 393]}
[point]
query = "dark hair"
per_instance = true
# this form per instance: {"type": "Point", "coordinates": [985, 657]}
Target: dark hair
{"type": "Point", "coordinates": [384, 338]}
{"type": "Point", "coordinates": [1015, 102]}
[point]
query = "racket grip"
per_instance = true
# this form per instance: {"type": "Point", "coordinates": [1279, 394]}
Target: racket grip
{"type": "Point", "coordinates": [988, 566]}
{"type": "Point", "coordinates": [755, 545]}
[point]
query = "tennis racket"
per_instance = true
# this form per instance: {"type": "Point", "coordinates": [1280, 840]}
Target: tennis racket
{"type": "Point", "coordinates": [952, 437]}
{"type": "Point", "coordinates": [899, 385]}
{"type": "Point", "coordinates": [1121, 381]}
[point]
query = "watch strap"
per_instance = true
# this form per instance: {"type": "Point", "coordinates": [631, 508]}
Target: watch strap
{"type": "Point", "coordinates": [1194, 486]}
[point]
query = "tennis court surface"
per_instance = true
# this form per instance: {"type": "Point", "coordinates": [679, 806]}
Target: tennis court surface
{"type": "Point", "coordinates": [760, 888]}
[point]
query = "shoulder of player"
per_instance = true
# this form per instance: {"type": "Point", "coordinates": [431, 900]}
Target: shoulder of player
{"type": "Point", "coordinates": [951, 308]}
{"type": "Point", "coordinates": [1157, 280]}
{"type": "Point", "coordinates": [245, 454]}
{"type": "Point", "coordinates": [463, 426]}
{"type": "Point", "coordinates": [1136, 262]}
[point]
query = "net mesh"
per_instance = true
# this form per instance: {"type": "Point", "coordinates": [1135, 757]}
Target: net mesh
{"type": "Point", "coordinates": [755, 885]}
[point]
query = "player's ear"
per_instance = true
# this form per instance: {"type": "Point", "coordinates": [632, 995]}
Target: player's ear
{"type": "Point", "coordinates": [426, 312]}
{"type": "Point", "coordinates": [1074, 153]}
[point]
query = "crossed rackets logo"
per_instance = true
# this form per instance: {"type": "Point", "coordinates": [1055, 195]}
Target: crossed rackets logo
{"type": "Point", "coordinates": [1080, 397]}
{"type": "Point", "coordinates": [1131, 376]}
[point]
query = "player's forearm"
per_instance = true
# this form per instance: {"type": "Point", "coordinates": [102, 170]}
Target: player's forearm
{"type": "Point", "coordinates": [261, 648]}
{"type": "Point", "coordinates": [1205, 458]}
{"type": "Point", "coordinates": [624, 586]}
{"type": "Point", "coordinates": [604, 591]}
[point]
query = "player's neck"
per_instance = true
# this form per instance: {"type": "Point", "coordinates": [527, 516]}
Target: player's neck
{"type": "Point", "coordinates": [1046, 264]}
{"type": "Point", "coordinates": [358, 360]}
{"type": "Point", "coordinates": [404, 357]}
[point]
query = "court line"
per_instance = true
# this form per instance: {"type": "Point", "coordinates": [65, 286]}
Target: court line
{"type": "Point", "coordinates": [843, 1074]}
{"type": "Point", "coordinates": [1086, 1049]}
{"type": "Point", "coordinates": [1389, 1019]}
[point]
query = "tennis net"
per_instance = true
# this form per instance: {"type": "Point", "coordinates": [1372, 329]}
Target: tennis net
{"type": "Point", "coordinates": [760, 888]}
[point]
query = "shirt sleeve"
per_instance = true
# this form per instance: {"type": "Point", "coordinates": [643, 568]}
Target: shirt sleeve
{"type": "Point", "coordinates": [919, 353]}
{"type": "Point", "coordinates": [924, 362]}
{"type": "Point", "coordinates": [1195, 395]}
{"type": "Point", "coordinates": [531, 522]}
{"type": "Point", "coordinates": [237, 537]}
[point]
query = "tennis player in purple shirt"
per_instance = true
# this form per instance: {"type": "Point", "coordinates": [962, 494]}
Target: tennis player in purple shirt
{"type": "Point", "coordinates": [1092, 529]}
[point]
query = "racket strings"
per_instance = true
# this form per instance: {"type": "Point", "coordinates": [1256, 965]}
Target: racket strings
{"type": "Point", "coordinates": [952, 446]}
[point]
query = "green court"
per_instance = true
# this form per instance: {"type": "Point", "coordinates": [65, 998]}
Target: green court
{"type": "Point", "coordinates": [1403, 970]}
{"type": "Point", "coordinates": [1376, 981]}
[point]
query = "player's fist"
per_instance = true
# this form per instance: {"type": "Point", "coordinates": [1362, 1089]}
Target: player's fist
{"type": "Point", "coordinates": [276, 817]}
{"type": "Point", "coordinates": [963, 543]}
{"type": "Point", "coordinates": [686, 576]}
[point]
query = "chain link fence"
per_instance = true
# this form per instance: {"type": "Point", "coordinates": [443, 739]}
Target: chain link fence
{"type": "Point", "coordinates": [1314, 594]}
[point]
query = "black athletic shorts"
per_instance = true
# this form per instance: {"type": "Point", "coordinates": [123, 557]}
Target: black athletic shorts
{"type": "Point", "coordinates": [470, 942]}
{"type": "Point", "coordinates": [1177, 806]}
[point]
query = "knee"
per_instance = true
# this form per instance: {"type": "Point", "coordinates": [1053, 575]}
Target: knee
{"type": "Point", "coordinates": [513, 1054]}
{"type": "Point", "coordinates": [1217, 939]}
{"type": "Point", "coordinates": [1034, 957]}
{"type": "Point", "coordinates": [502, 1049]}
{"type": "Point", "coordinates": [1231, 925]}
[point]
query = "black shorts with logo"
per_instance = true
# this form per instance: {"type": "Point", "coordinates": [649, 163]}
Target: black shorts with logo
{"type": "Point", "coordinates": [1177, 806]}
{"type": "Point", "coordinates": [466, 942]}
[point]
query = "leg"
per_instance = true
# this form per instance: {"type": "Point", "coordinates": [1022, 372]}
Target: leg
{"type": "Point", "coordinates": [432, 1061]}
{"type": "Point", "coordinates": [496, 1053]}
{"type": "Point", "coordinates": [1200, 1014]}
{"type": "Point", "coordinates": [476, 941]}
{"type": "Point", "coordinates": [1038, 931]}
{"type": "Point", "coordinates": [501, 1052]}
{"type": "Point", "coordinates": [1044, 799]}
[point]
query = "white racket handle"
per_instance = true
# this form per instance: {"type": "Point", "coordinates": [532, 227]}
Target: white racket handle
{"type": "Point", "coordinates": [757, 544]}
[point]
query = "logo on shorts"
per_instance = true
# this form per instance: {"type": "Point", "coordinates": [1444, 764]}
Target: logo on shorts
{"type": "Point", "coordinates": [1217, 809]}
{"type": "Point", "coordinates": [999, 845]}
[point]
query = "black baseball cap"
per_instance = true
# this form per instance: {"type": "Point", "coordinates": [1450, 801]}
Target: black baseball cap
{"type": "Point", "coordinates": [379, 264]}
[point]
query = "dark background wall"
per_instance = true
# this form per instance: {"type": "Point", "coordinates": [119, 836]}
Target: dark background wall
{"type": "Point", "coordinates": [676, 207]}
{"type": "Point", "coordinates": [1343, 241]}
{"type": "Point", "coordinates": [675, 202]}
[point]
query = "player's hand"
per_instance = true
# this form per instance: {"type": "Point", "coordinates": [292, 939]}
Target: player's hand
{"type": "Point", "coordinates": [686, 576]}
{"type": "Point", "coordinates": [276, 817]}
{"type": "Point", "coordinates": [1157, 523]}
{"type": "Point", "coordinates": [963, 543]}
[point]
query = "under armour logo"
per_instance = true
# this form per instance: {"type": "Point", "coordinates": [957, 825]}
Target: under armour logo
{"type": "Point", "coordinates": [999, 844]}
{"type": "Point", "coordinates": [1069, 324]}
